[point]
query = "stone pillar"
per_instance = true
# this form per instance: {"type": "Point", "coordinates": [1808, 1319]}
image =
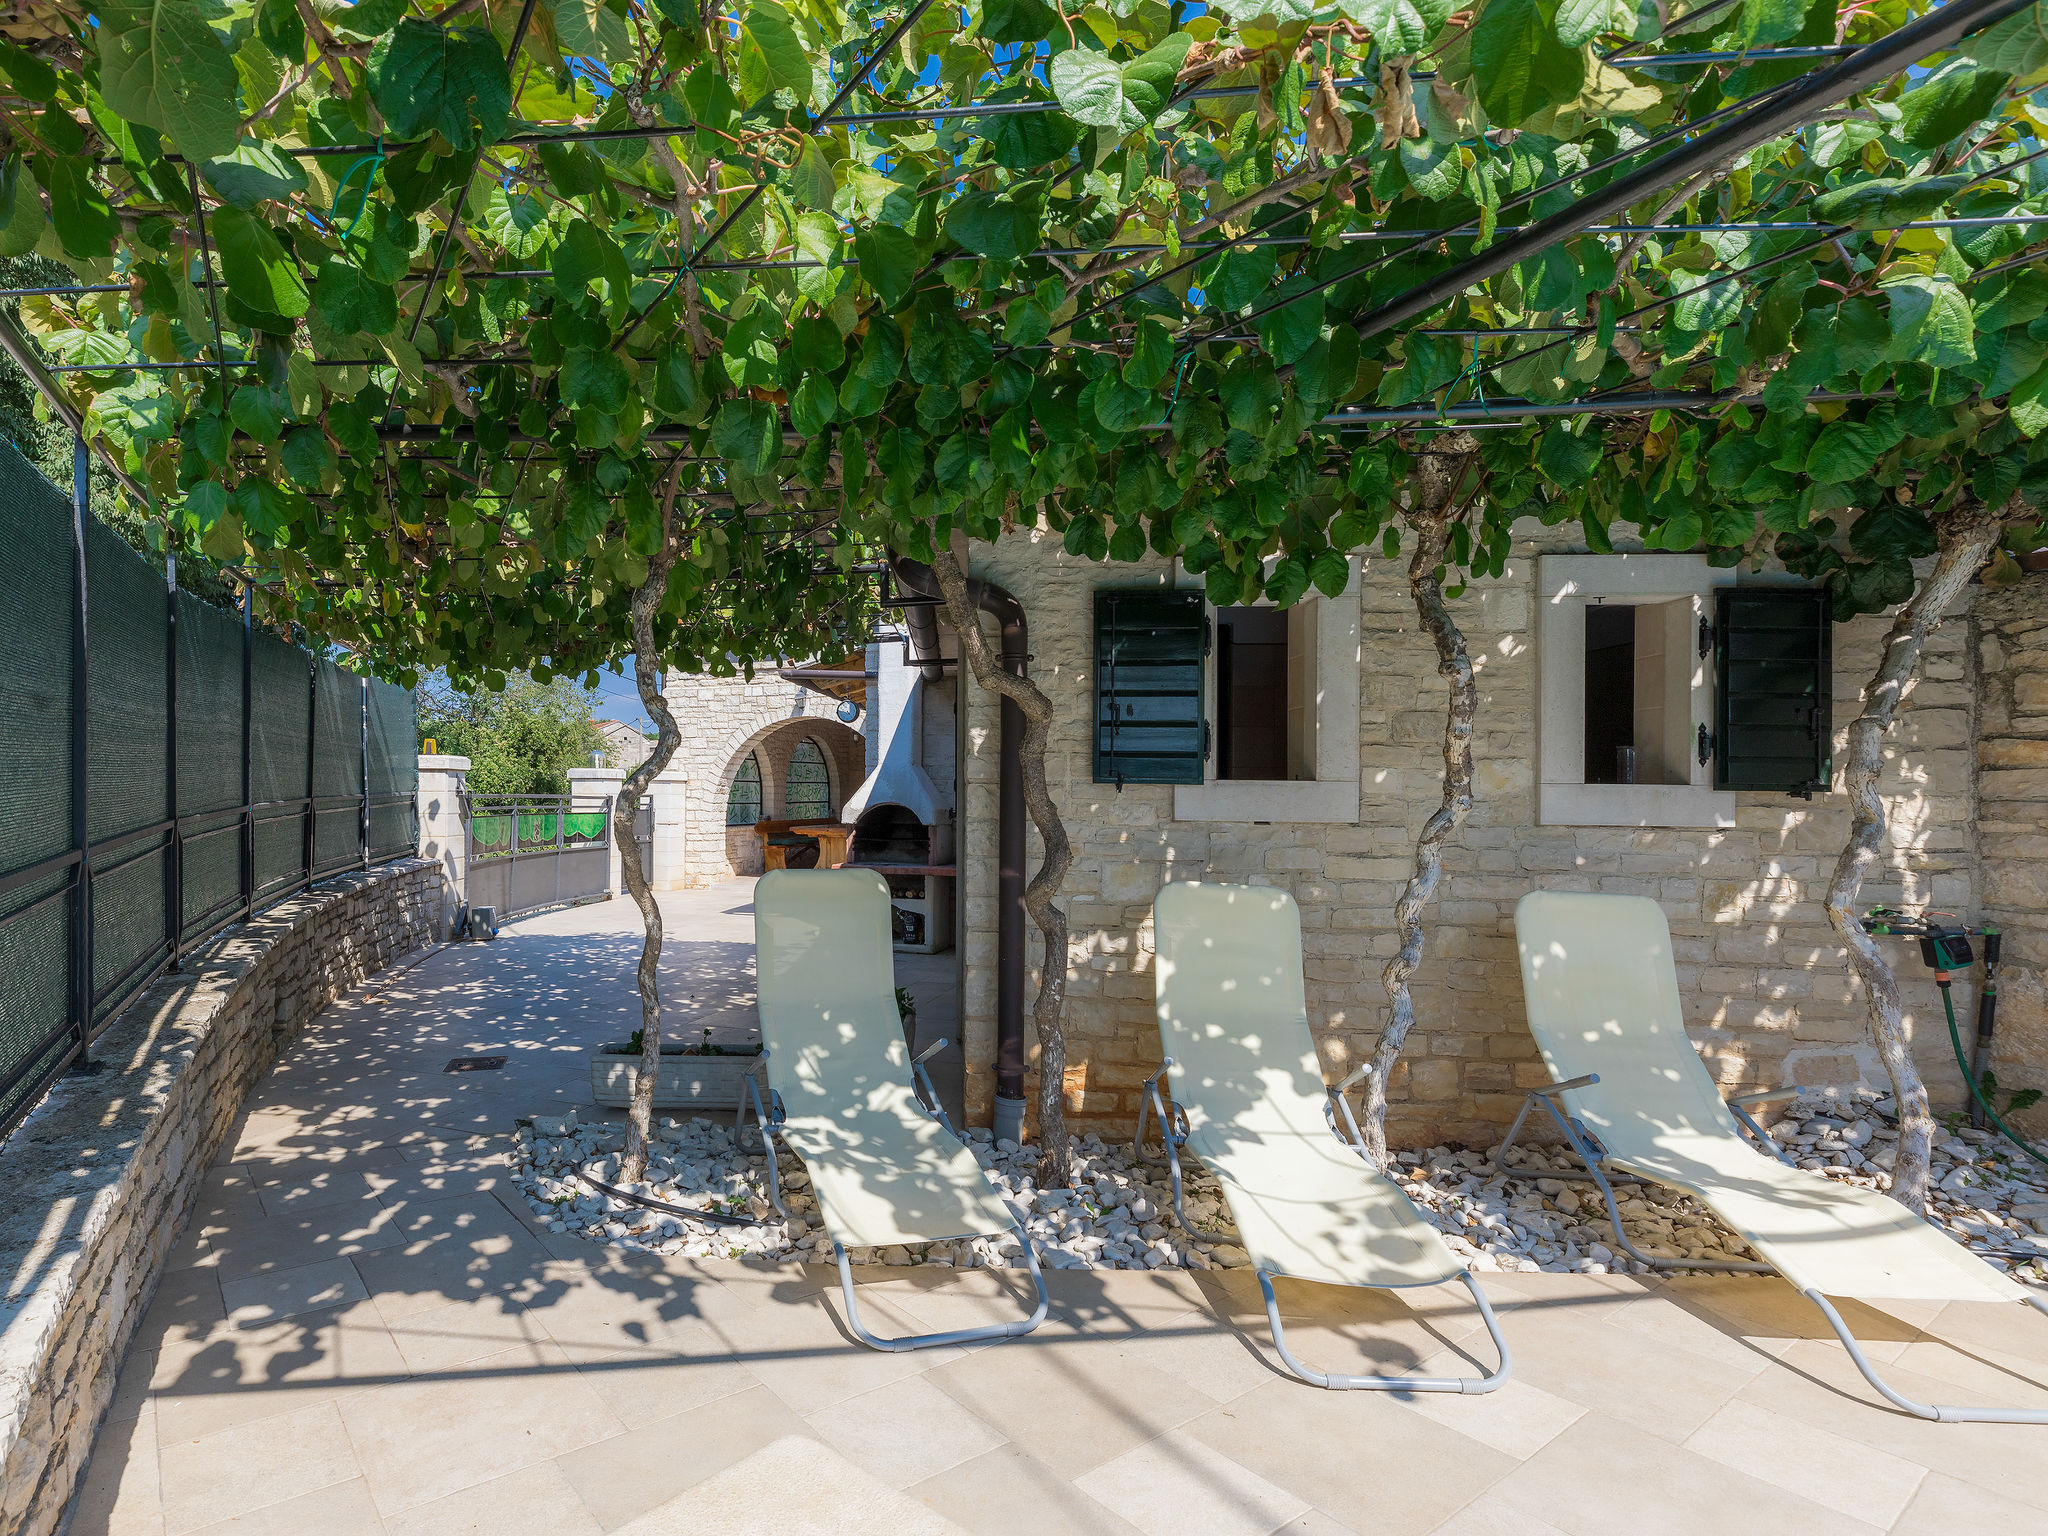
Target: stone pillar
{"type": "Point", "coordinates": [587, 786]}
{"type": "Point", "coordinates": [670, 793]}
{"type": "Point", "coordinates": [444, 831]}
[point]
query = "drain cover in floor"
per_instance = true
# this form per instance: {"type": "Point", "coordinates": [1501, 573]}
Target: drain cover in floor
{"type": "Point", "coordinates": [474, 1064]}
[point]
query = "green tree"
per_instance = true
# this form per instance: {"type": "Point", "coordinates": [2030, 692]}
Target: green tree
{"type": "Point", "coordinates": [522, 740]}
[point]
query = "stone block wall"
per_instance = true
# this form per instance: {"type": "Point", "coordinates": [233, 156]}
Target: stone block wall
{"type": "Point", "coordinates": [2011, 630]}
{"type": "Point", "coordinates": [1770, 995]}
{"type": "Point", "coordinates": [101, 1178]}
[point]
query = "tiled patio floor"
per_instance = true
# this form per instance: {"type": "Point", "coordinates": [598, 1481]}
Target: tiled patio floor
{"type": "Point", "coordinates": [365, 1334]}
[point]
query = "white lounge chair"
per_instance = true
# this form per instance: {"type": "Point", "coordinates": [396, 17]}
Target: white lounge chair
{"type": "Point", "coordinates": [1249, 1098]}
{"type": "Point", "coordinates": [885, 1163]}
{"type": "Point", "coordinates": [1602, 995]}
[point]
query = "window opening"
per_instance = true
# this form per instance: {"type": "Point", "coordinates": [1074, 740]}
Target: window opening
{"type": "Point", "coordinates": [1610, 694]}
{"type": "Point", "coordinates": [743, 804]}
{"type": "Point", "coordinates": [1639, 670]}
{"type": "Point", "coordinates": [1266, 692]}
{"type": "Point", "coordinates": [807, 789]}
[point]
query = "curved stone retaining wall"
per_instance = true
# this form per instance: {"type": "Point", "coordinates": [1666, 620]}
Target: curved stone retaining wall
{"type": "Point", "coordinates": [100, 1179]}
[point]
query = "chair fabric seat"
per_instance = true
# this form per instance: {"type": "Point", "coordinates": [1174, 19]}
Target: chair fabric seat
{"type": "Point", "coordinates": [883, 1170]}
{"type": "Point", "coordinates": [1233, 1017]}
{"type": "Point", "coordinates": [1601, 990]}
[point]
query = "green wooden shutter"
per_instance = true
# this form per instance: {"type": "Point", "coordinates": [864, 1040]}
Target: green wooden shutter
{"type": "Point", "coordinates": [1774, 699]}
{"type": "Point", "coordinates": [1149, 649]}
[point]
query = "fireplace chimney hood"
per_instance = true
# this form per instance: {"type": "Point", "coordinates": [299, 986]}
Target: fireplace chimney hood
{"type": "Point", "coordinates": [899, 777]}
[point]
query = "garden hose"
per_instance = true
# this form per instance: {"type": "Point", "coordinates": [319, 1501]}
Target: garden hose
{"type": "Point", "coordinates": [1955, 1039]}
{"type": "Point", "coordinates": [1945, 948]}
{"type": "Point", "coordinates": [691, 1213]}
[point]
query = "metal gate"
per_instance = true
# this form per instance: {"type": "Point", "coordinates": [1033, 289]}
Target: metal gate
{"type": "Point", "coordinates": [531, 852]}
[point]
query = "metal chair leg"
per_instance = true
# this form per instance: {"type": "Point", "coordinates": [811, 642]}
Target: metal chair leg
{"type": "Point", "coordinates": [1470, 1385]}
{"type": "Point", "coordinates": [1938, 1413]}
{"type": "Point", "coordinates": [956, 1336]}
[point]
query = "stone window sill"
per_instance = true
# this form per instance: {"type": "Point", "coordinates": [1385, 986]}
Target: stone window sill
{"type": "Point", "coordinates": [1324, 802]}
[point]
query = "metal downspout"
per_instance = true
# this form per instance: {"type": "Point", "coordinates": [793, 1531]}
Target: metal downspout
{"type": "Point", "coordinates": [917, 579]}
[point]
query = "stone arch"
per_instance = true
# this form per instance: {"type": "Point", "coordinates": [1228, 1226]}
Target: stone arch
{"type": "Point", "coordinates": [723, 719]}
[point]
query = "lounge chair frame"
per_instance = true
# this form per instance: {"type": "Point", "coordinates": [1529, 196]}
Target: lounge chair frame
{"type": "Point", "coordinates": [1589, 1151]}
{"type": "Point", "coordinates": [773, 1115]}
{"type": "Point", "coordinates": [1173, 1132]}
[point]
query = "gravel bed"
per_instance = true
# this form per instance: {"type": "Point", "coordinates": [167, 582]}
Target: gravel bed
{"type": "Point", "coordinates": [1118, 1214]}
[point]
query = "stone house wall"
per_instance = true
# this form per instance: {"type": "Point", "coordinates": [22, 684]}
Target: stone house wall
{"type": "Point", "coordinates": [1770, 994]}
{"type": "Point", "coordinates": [102, 1176]}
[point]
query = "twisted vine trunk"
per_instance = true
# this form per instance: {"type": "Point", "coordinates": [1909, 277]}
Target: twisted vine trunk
{"type": "Point", "coordinates": [1967, 535]}
{"type": "Point", "coordinates": [1055, 1163]}
{"type": "Point", "coordinates": [647, 598]}
{"type": "Point", "coordinates": [1438, 475]}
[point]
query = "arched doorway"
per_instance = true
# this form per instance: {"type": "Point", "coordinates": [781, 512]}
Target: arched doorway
{"type": "Point", "coordinates": [801, 768]}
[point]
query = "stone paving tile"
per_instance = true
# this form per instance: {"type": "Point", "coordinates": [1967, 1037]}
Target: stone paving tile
{"type": "Point", "coordinates": [254, 1466]}
{"type": "Point", "coordinates": [1176, 1484]}
{"type": "Point", "coordinates": [429, 1436]}
{"type": "Point", "coordinates": [537, 1498]}
{"type": "Point", "coordinates": [122, 1494]}
{"type": "Point", "coordinates": [1859, 1481]}
{"type": "Point", "coordinates": [237, 1375]}
{"type": "Point", "coordinates": [337, 1231]}
{"type": "Point", "coordinates": [1948, 1506]}
{"type": "Point", "coordinates": [1009, 1492]}
{"type": "Point", "coordinates": [1604, 1477]}
{"type": "Point", "coordinates": [280, 1293]}
{"type": "Point", "coordinates": [1488, 1516]}
{"type": "Point", "coordinates": [632, 1472]}
{"type": "Point", "coordinates": [344, 1509]}
{"type": "Point", "coordinates": [905, 1432]}
{"type": "Point", "coordinates": [1329, 1449]}
{"type": "Point", "coordinates": [450, 1250]}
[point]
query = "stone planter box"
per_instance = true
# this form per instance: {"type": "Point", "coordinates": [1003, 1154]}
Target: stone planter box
{"type": "Point", "coordinates": [706, 1083]}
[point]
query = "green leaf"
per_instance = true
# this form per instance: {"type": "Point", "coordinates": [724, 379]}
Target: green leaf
{"type": "Point", "coordinates": [586, 255]}
{"type": "Point", "coordinates": [2018, 45]}
{"type": "Point", "coordinates": [888, 262]}
{"type": "Point", "coordinates": [591, 29]}
{"type": "Point", "coordinates": [1930, 321]}
{"type": "Point", "coordinates": [1846, 449]}
{"type": "Point", "coordinates": [21, 210]}
{"type": "Point", "coordinates": [351, 302]}
{"type": "Point", "coordinates": [1287, 583]}
{"type": "Point", "coordinates": [596, 379]}
{"type": "Point", "coordinates": [2028, 403]}
{"type": "Point", "coordinates": [254, 173]}
{"type": "Point", "coordinates": [810, 179]}
{"type": "Point", "coordinates": [1001, 225]}
{"type": "Point", "coordinates": [1886, 203]}
{"type": "Point", "coordinates": [257, 412]}
{"type": "Point", "coordinates": [1944, 105]}
{"type": "Point", "coordinates": [1151, 355]}
{"type": "Point", "coordinates": [2010, 298]}
{"type": "Point", "coordinates": [1148, 79]}
{"type": "Point", "coordinates": [367, 18]}
{"type": "Point", "coordinates": [746, 433]}
{"type": "Point", "coordinates": [162, 64]}
{"type": "Point", "coordinates": [1579, 22]}
{"type": "Point", "coordinates": [1567, 459]}
{"type": "Point", "coordinates": [29, 75]}
{"type": "Point", "coordinates": [1330, 572]}
{"type": "Point", "coordinates": [80, 213]}
{"type": "Point", "coordinates": [1090, 89]}
{"type": "Point", "coordinates": [452, 81]}
{"type": "Point", "coordinates": [1519, 67]}
{"type": "Point", "coordinates": [1708, 309]}
{"type": "Point", "coordinates": [1402, 26]}
{"type": "Point", "coordinates": [1763, 22]}
{"type": "Point", "coordinates": [1434, 170]}
{"type": "Point", "coordinates": [258, 271]}
{"type": "Point", "coordinates": [307, 458]}
{"type": "Point", "coordinates": [772, 56]}
{"type": "Point", "coordinates": [1015, 21]}
{"type": "Point", "coordinates": [1893, 533]}
{"type": "Point", "coordinates": [1289, 331]}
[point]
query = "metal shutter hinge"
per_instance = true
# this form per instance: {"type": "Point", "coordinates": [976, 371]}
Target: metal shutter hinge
{"type": "Point", "coordinates": [1706, 746]}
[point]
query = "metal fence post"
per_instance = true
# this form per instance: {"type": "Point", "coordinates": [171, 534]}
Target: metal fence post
{"type": "Point", "coordinates": [312, 760]}
{"type": "Point", "coordinates": [174, 850]}
{"type": "Point", "coordinates": [363, 816]}
{"type": "Point", "coordinates": [80, 977]}
{"type": "Point", "coordinates": [248, 755]}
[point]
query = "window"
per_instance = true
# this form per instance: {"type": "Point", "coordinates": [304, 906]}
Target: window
{"type": "Point", "coordinates": [1624, 699]}
{"type": "Point", "coordinates": [1266, 692]}
{"type": "Point", "coordinates": [807, 789]}
{"type": "Point", "coordinates": [1149, 650]}
{"type": "Point", "coordinates": [1775, 697]}
{"type": "Point", "coordinates": [743, 804]}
